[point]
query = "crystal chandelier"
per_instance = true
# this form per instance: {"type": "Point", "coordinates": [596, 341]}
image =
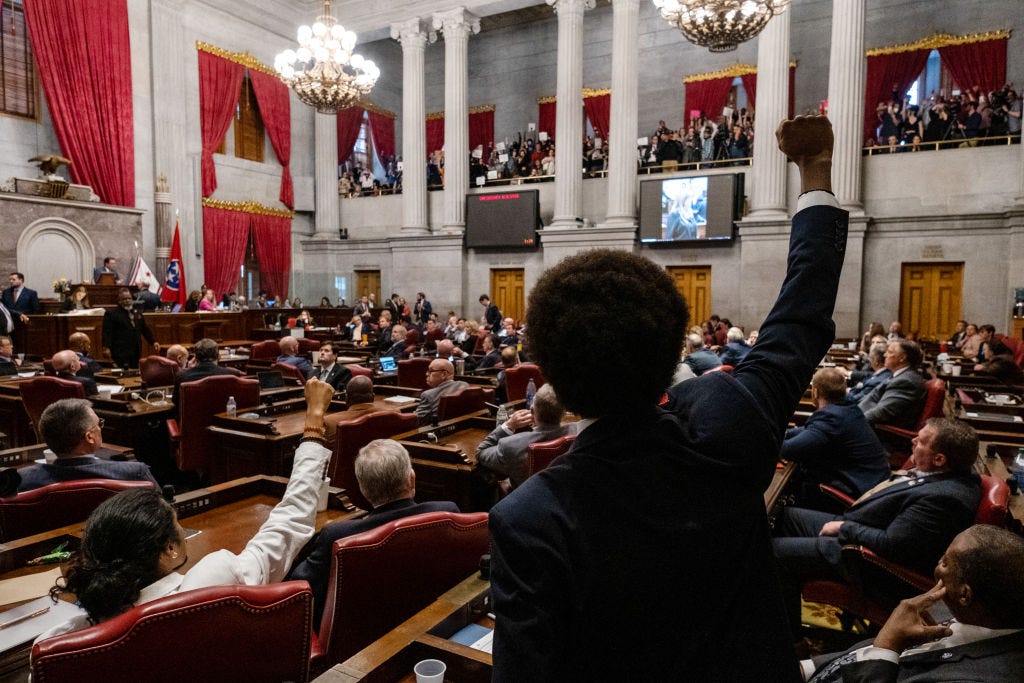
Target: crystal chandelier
{"type": "Point", "coordinates": [323, 72]}
{"type": "Point", "coordinates": [719, 25]}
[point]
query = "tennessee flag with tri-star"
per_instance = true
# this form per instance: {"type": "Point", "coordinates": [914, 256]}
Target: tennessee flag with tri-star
{"type": "Point", "coordinates": [174, 284]}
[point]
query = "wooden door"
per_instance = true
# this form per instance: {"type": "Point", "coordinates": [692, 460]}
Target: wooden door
{"type": "Point", "coordinates": [694, 283]}
{"type": "Point", "coordinates": [367, 283]}
{"type": "Point", "coordinates": [930, 296]}
{"type": "Point", "coordinates": [508, 292]}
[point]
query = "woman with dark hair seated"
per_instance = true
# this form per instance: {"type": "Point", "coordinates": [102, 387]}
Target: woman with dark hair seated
{"type": "Point", "coordinates": [133, 546]}
{"type": "Point", "coordinates": [78, 301]}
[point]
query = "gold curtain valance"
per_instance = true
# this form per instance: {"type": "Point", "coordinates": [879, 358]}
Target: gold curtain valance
{"type": "Point", "coordinates": [939, 40]}
{"type": "Point", "coordinates": [243, 58]}
{"type": "Point", "coordinates": [590, 92]}
{"type": "Point", "coordinates": [248, 207]}
{"type": "Point", "coordinates": [728, 72]}
{"type": "Point", "coordinates": [436, 115]}
{"type": "Point", "coordinates": [547, 100]}
{"type": "Point", "coordinates": [370, 106]}
{"type": "Point", "coordinates": [482, 108]}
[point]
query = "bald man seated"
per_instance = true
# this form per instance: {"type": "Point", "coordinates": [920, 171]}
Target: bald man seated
{"type": "Point", "coordinates": [179, 354]}
{"type": "Point", "coordinates": [440, 374]}
{"type": "Point", "coordinates": [67, 365]}
{"type": "Point", "coordinates": [80, 343]}
{"type": "Point", "coordinates": [290, 356]}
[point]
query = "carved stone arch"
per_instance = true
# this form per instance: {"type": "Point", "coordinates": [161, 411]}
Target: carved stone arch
{"type": "Point", "coordinates": [52, 248]}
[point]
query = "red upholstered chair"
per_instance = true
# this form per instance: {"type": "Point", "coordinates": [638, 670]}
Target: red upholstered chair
{"type": "Point", "coordinates": [39, 392]}
{"type": "Point", "coordinates": [306, 345]}
{"type": "Point", "coordinates": [412, 372]}
{"type": "Point", "coordinates": [897, 440]}
{"type": "Point", "coordinates": [353, 435]}
{"type": "Point", "coordinates": [56, 505]}
{"type": "Point", "coordinates": [891, 582]}
{"type": "Point", "coordinates": [158, 371]}
{"type": "Point", "coordinates": [542, 453]}
{"type": "Point", "coordinates": [264, 634]}
{"type": "Point", "coordinates": [360, 370]}
{"type": "Point", "coordinates": [289, 372]}
{"type": "Point", "coordinates": [518, 377]}
{"type": "Point", "coordinates": [291, 323]}
{"type": "Point", "coordinates": [382, 577]}
{"type": "Point", "coordinates": [264, 350]}
{"type": "Point", "coordinates": [1015, 345]}
{"type": "Point", "coordinates": [463, 402]}
{"type": "Point", "coordinates": [198, 402]}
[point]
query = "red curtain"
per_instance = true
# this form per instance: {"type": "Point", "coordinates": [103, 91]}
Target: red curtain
{"type": "Point", "coordinates": [750, 85]}
{"type": "Point", "coordinates": [708, 96]}
{"type": "Point", "coordinates": [435, 134]}
{"type": "Point", "coordinates": [885, 74]}
{"type": "Point", "coordinates": [83, 54]}
{"type": "Point", "coordinates": [349, 122]}
{"type": "Point", "coordinates": [220, 82]}
{"type": "Point", "coordinates": [598, 109]}
{"type": "Point", "coordinates": [976, 64]}
{"type": "Point", "coordinates": [225, 234]}
{"type": "Point", "coordinates": [481, 130]}
{"type": "Point", "coordinates": [275, 107]}
{"type": "Point", "coordinates": [546, 118]}
{"type": "Point", "coordinates": [382, 126]}
{"type": "Point", "coordinates": [273, 238]}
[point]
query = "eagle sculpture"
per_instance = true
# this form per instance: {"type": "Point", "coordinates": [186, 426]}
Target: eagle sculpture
{"type": "Point", "coordinates": [49, 163]}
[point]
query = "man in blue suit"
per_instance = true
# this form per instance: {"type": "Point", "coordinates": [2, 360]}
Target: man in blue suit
{"type": "Point", "coordinates": [898, 401]}
{"type": "Point", "coordinates": [644, 552]}
{"type": "Point", "coordinates": [290, 356]}
{"type": "Point", "coordinates": [386, 478]}
{"type": "Point", "coordinates": [72, 431]}
{"type": "Point", "coordinates": [864, 382]}
{"type": "Point", "coordinates": [19, 300]}
{"type": "Point", "coordinates": [909, 519]}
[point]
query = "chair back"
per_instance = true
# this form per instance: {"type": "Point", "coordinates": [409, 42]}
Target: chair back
{"type": "Point", "coordinates": [198, 402]}
{"type": "Point", "coordinates": [353, 435]}
{"type": "Point", "coordinates": [934, 401]}
{"type": "Point", "coordinates": [289, 372]}
{"type": "Point", "coordinates": [995, 502]}
{"type": "Point", "coordinates": [412, 372]}
{"type": "Point", "coordinates": [542, 453]}
{"type": "Point", "coordinates": [463, 402]}
{"type": "Point", "coordinates": [306, 345]}
{"type": "Point", "coordinates": [291, 323]}
{"type": "Point", "coordinates": [158, 371]}
{"type": "Point", "coordinates": [264, 634]}
{"type": "Point", "coordinates": [56, 505]}
{"type": "Point", "coordinates": [518, 377]}
{"type": "Point", "coordinates": [39, 392]}
{"type": "Point", "coordinates": [382, 577]}
{"type": "Point", "coordinates": [264, 350]}
{"type": "Point", "coordinates": [360, 370]}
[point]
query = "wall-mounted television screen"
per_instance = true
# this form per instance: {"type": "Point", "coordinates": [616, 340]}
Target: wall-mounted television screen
{"type": "Point", "coordinates": [693, 209]}
{"type": "Point", "coordinates": [502, 219]}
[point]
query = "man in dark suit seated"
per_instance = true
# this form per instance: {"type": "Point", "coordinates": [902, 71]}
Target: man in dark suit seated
{"type": "Point", "coordinates": [67, 365]}
{"type": "Point", "coordinates": [736, 347]}
{"type": "Point", "coordinates": [72, 431]}
{"type": "Point", "coordinates": [898, 401]}
{"type": "Point", "coordinates": [207, 353]}
{"type": "Point", "coordinates": [441, 380]}
{"type": "Point", "coordinates": [150, 300]}
{"type": "Point", "coordinates": [8, 363]}
{"type": "Point", "coordinates": [980, 579]}
{"type": "Point", "coordinates": [290, 356]}
{"type": "Point", "coordinates": [644, 552]}
{"type": "Point", "coordinates": [836, 446]}
{"type": "Point", "coordinates": [492, 354]}
{"type": "Point", "coordinates": [909, 519]}
{"type": "Point", "coordinates": [19, 300]}
{"type": "Point", "coordinates": [397, 347]}
{"type": "Point", "coordinates": [864, 382]}
{"type": "Point", "coordinates": [698, 358]}
{"type": "Point", "coordinates": [80, 343]}
{"type": "Point", "coordinates": [386, 478]}
{"type": "Point", "coordinates": [329, 371]}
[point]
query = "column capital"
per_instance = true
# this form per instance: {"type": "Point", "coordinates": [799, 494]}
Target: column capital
{"type": "Point", "coordinates": [412, 34]}
{"type": "Point", "coordinates": [571, 6]}
{"type": "Point", "coordinates": [456, 23]}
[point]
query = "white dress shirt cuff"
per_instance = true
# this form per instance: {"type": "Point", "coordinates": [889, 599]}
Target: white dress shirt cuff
{"type": "Point", "coordinates": [816, 198]}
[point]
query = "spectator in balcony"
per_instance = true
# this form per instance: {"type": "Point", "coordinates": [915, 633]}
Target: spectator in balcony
{"type": "Point", "coordinates": [912, 126]}
{"type": "Point", "coordinates": [739, 145]}
{"type": "Point", "coordinates": [707, 144]}
{"type": "Point", "coordinates": [668, 153]}
{"type": "Point", "coordinates": [548, 162]}
{"type": "Point", "coordinates": [1012, 109]}
{"type": "Point", "coordinates": [938, 123]}
{"type": "Point", "coordinates": [971, 126]}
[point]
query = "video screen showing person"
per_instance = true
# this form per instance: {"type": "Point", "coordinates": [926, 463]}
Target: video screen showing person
{"type": "Point", "coordinates": [684, 208]}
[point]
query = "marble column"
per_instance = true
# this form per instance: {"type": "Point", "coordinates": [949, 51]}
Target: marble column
{"type": "Point", "coordinates": [621, 211]}
{"type": "Point", "coordinates": [164, 228]}
{"type": "Point", "coordinates": [846, 99]}
{"type": "Point", "coordinates": [413, 37]}
{"type": "Point", "coordinates": [325, 141]}
{"type": "Point", "coordinates": [768, 191]}
{"type": "Point", "coordinates": [456, 25]}
{"type": "Point", "coordinates": [569, 116]}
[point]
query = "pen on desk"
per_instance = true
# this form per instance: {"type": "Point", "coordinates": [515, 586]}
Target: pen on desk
{"type": "Point", "coordinates": [24, 617]}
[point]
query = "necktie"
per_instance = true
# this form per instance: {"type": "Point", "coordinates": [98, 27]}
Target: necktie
{"type": "Point", "coordinates": [897, 478]}
{"type": "Point", "coordinates": [17, 293]}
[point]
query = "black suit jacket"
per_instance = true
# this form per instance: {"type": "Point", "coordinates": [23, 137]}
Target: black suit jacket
{"type": "Point", "coordinates": [197, 372]}
{"type": "Point", "coordinates": [122, 334]}
{"type": "Point", "coordinates": [644, 553]}
{"type": "Point", "coordinates": [337, 378]}
{"type": "Point", "coordinates": [316, 567]}
{"type": "Point", "coordinates": [28, 302]}
{"type": "Point", "coordinates": [8, 367]}
{"type": "Point", "coordinates": [84, 467]}
{"type": "Point", "coordinates": [88, 383]}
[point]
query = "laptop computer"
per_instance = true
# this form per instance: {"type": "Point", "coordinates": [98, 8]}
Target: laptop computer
{"type": "Point", "coordinates": [388, 364]}
{"type": "Point", "coordinates": [270, 379]}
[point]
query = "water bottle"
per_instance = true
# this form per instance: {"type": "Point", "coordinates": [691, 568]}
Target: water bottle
{"type": "Point", "coordinates": [1017, 470]}
{"type": "Point", "coordinates": [232, 407]}
{"type": "Point", "coordinates": [502, 415]}
{"type": "Point", "coordinates": [531, 391]}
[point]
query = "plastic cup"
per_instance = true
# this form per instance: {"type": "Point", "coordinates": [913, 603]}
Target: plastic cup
{"type": "Point", "coordinates": [429, 671]}
{"type": "Point", "coordinates": [321, 501]}
{"type": "Point", "coordinates": [956, 370]}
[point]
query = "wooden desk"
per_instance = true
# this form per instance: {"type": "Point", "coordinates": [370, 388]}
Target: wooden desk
{"type": "Point", "coordinates": [443, 467]}
{"type": "Point", "coordinates": [14, 421]}
{"type": "Point", "coordinates": [228, 516]}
